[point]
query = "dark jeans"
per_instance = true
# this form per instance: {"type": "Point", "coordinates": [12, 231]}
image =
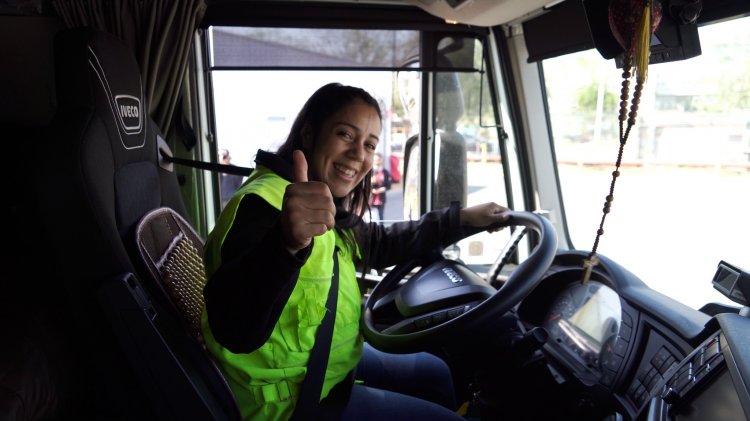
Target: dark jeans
{"type": "Point", "coordinates": [401, 387]}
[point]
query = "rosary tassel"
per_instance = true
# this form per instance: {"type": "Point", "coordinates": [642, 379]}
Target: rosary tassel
{"type": "Point", "coordinates": [643, 43]}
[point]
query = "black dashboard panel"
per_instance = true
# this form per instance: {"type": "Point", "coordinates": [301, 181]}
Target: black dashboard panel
{"type": "Point", "coordinates": [632, 357]}
{"type": "Point", "coordinates": [651, 366]}
{"type": "Point", "coordinates": [710, 383]}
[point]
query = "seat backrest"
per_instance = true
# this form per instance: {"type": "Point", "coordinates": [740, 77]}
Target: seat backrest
{"type": "Point", "coordinates": [102, 174]}
{"type": "Point", "coordinates": [173, 252]}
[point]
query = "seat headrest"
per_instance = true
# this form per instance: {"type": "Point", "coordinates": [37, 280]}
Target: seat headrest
{"type": "Point", "coordinates": [97, 71]}
{"type": "Point", "coordinates": [102, 116]}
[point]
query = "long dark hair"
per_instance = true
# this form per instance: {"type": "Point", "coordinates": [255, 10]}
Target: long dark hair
{"type": "Point", "coordinates": [324, 103]}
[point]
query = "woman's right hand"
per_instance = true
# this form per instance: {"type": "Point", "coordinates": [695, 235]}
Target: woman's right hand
{"type": "Point", "coordinates": [483, 215]}
{"type": "Point", "coordinates": [307, 209]}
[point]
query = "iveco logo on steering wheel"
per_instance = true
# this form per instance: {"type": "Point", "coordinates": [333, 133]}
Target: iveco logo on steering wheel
{"type": "Point", "coordinates": [452, 275]}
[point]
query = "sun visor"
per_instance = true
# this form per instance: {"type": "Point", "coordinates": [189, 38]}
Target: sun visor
{"type": "Point", "coordinates": [561, 30]}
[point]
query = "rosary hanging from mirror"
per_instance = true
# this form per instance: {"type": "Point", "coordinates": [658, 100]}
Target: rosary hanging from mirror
{"type": "Point", "coordinates": [632, 22]}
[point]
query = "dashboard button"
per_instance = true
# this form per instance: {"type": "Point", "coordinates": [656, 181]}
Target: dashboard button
{"type": "Point", "coordinates": [653, 381]}
{"type": "Point", "coordinates": [422, 323]}
{"type": "Point", "coordinates": [639, 391]}
{"type": "Point", "coordinates": [611, 361]}
{"type": "Point", "coordinates": [625, 331]}
{"type": "Point", "coordinates": [701, 371]}
{"type": "Point", "coordinates": [626, 319]}
{"type": "Point", "coordinates": [667, 364]}
{"type": "Point", "coordinates": [648, 380]}
{"type": "Point", "coordinates": [455, 312]}
{"type": "Point", "coordinates": [711, 349]}
{"type": "Point", "coordinates": [621, 345]}
{"type": "Point", "coordinates": [438, 318]}
{"type": "Point", "coordinates": [607, 378]}
{"type": "Point", "coordinates": [682, 380]}
{"type": "Point", "coordinates": [660, 357]}
{"type": "Point", "coordinates": [633, 387]}
{"type": "Point", "coordinates": [641, 398]}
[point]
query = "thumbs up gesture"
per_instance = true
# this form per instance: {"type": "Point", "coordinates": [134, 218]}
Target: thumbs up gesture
{"type": "Point", "coordinates": [307, 209]}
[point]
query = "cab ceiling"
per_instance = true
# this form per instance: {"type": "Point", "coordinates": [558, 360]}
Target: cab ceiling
{"type": "Point", "coordinates": [482, 13]}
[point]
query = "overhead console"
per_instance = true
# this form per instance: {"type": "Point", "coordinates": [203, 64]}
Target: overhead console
{"type": "Point", "coordinates": [675, 38]}
{"type": "Point", "coordinates": [584, 24]}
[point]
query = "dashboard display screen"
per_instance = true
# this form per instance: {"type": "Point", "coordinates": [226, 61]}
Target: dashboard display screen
{"type": "Point", "coordinates": [583, 318]}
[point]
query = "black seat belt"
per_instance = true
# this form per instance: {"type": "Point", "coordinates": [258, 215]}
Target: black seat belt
{"type": "Point", "coordinates": [309, 398]}
{"type": "Point", "coordinates": [208, 166]}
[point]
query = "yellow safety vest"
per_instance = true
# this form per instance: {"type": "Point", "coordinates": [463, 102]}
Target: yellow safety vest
{"type": "Point", "coordinates": [266, 382]}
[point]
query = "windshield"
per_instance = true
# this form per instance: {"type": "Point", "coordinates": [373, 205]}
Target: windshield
{"type": "Point", "coordinates": [261, 77]}
{"type": "Point", "coordinates": [680, 203]}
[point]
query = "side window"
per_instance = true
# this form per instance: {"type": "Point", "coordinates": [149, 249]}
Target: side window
{"type": "Point", "coordinates": [467, 165]}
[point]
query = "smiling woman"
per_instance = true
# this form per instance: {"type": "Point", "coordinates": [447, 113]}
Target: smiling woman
{"type": "Point", "coordinates": [277, 235]}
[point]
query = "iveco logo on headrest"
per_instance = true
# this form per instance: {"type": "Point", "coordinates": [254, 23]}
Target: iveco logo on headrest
{"type": "Point", "coordinates": [129, 111]}
{"type": "Point", "coordinates": [452, 275]}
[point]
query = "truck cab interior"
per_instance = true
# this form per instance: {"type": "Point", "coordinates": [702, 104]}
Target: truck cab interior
{"type": "Point", "coordinates": [114, 113]}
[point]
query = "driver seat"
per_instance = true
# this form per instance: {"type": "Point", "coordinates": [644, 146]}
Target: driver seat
{"type": "Point", "coordinates": [130, 354]}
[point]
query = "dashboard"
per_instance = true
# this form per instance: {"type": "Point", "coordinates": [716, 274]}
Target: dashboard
{"type": "Point", "coordinates": [584, 321]}
{"type": "Point", "coordinates": [656, 358]}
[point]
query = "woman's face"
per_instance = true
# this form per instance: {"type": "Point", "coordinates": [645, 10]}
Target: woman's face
{"type": "Point", "coordinates": [345, 147]}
